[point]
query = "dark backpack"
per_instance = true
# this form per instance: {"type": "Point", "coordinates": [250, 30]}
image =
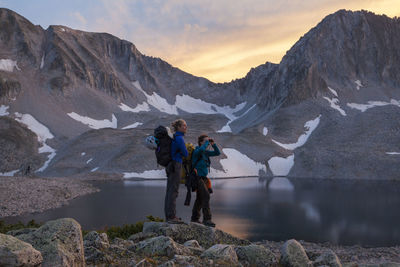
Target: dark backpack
{"type": "Point", "coordinates": [163, 151]}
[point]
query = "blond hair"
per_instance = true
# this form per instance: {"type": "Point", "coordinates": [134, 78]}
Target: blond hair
{"type": "Point", "coordinates": [176, 124]}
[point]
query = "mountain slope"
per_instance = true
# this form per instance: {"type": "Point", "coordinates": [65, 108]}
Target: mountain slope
{"type": "Point", "coordinates": [340, 82]}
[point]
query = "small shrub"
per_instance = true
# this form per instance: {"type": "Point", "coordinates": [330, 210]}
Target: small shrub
{"type": "Point", "coordinates": [127, 230]}
{"type": "Point", "coordinates": [4, 228]}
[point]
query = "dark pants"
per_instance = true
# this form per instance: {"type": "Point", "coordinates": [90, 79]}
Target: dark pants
{"type": "Point", "coordinates": [174, 176]}
{"type": "Point", "coordinates": [202, 202]}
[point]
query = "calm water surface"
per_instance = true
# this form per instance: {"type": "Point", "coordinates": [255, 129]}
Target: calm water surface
{"type": "Point", "coordinates": [341, 212]}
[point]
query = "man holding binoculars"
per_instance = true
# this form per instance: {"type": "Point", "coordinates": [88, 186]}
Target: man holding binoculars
{"type": "Point", "coordinates": [201, 164]}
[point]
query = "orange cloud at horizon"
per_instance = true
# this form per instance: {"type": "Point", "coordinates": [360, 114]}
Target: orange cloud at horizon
{"type": "Point", "coordinates": [224, 56]}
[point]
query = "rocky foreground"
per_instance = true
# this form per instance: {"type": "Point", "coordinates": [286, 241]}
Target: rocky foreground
{"type": "Point", "coordinates": [60, 243]}
{"type": "Point", "coordinates": [19, 195]}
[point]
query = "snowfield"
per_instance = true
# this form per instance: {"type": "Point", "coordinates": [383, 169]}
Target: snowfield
{"type": "Point", "coordinates": [335, 105]}
{"type": "Point", "coordinates": [132, 126]}
{"type": "Point", "coordinates": [3, 110]}
{"type": "Point", "coordinates": [11, 173]}
{"type": "Point", "coordinates": [235, 165]}
{"type": "Point", "coordinates": [310, 127]}
{"type": "Point", "coordinates": [42, 132]}
{"type": "Point", "coordinates": [8, 65]}
{"type": "Point", "coordinates": [265, 131]}
{"type": "Point", "coordinates": [281, 166]}
{"type": "Point", "coordinates": [373, 104]}
{"type": "Point", "coordinates": [144, 107]}
{"type": "Point", "coordinates": [95, 124]}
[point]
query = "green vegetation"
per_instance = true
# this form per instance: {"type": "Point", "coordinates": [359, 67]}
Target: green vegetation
{"type": "Point", "coordinates": [127, 230]}
{"type": "Point", "coordinates": [4, 228]}
{"type": "Point", "coordinates": [123, 232]}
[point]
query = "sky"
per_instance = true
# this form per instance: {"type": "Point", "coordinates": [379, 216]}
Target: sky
{"type": "Point", "coordinates": [220, 40]}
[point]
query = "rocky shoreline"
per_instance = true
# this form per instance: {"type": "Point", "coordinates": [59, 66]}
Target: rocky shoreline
{"type": "Point", "coordinates": [60, 243]}
{"type": "Point", "coordinates": [19, 195]}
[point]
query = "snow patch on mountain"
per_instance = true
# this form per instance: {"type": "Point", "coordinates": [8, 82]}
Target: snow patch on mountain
{"type": "Point", "coordinates": [8, 65]}
{"type": "Point", "coordinates": [94, 169]}
{"type": "Point", "coordinates": [144, 107]}
{"type": "Point", "coordinates": [10, 173]}
{"type": "Point", "coordinates": [281, 166]}
{"type": "Point", "coordinates": [83, 154]}
{"type": "Point", "coordinates": [157, 101]}
{"type": "Point", "coordinates": [310, 127]}
{"type": "Point", "coordinates": [335, 105]}
{"type": "Point", "coordinates": [187, 104]}
{"type": "Point", "coordinates": [42, 133]}
{"type": "Point", "coordinates": [393, 153]}
{"type": "Point", "coordinates": [237, 164]}
{"type": "Point", "coordinates": [358, 84]}
{"type": "Point", "coordinates": [373, 104]}
{"type": "Point", "coordinates": [3, 110]}
{"type": "Point", "coordinates": [132, 126]}
{"type": "Point", "coordinates": [95, 124]}
{"type": "Point", "coordinates": [42, 63]}
{"type": "Point", "coordinates": [333, 91]}
{"type": "Point", "coordinates": [152, 174]}
{"type": "Point", "coordinates": [89, 160]}
{"type": "Point", "coordinates": [227, 128]}
{"type": "Point", "coordinates": [265, 131]}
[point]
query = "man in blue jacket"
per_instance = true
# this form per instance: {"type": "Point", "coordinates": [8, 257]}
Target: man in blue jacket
{"type": "Point", "coordinates": [178, 150]}
{"type": "Point", "coordinates": [201, 163]}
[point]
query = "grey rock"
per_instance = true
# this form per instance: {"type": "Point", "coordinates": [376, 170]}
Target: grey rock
{"type": "Point", "coordinates": [59, 241]}
{"type": "Point", "coordinates": [328, 258]}
{"type": "Point", "coordinates": [206, 236]}
{"type": "Point", "coordinates": [255, 255]}
{"type": "Point", "coordinates": [160, 246]}
{"type": "Point", "coordinates": [14, 252]}
{"type": "Point", "coordinates": [192, 243]}
{"type": "Point", "coordinates": [294, 255]}
{"type": "Point", "coordinates": [96, 240]}
{"type": "Point", "coordinates": [221, 254]}
{"type": "Point", "coordinates": [169, 263]}
{"type": "Point", "coordinates": [145, 263]}
{"type": "Point", "coordinates": [23, 231]}
{"type": "Point", "coordinates": [141, 236]}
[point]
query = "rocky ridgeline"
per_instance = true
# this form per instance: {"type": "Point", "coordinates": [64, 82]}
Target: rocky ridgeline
{"type": "Point", "coordinates": [60, 243]}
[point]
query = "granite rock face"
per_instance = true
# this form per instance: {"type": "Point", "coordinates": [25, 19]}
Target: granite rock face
{"type": "Point", "coordinates": [14, 252]}
{"type": "Point", "coordinates": [60, 243]}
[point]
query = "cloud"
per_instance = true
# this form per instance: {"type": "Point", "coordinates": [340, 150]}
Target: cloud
{"type": "Point", "coordinates": [81, 21]}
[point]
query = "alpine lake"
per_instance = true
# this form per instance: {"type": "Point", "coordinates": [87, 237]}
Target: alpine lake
{"type": "Point", "coordinates": [343, 212]}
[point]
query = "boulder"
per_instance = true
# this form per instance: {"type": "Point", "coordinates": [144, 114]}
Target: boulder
{"type": "Point", "coordinates": [141, 236]}
{"type": "Point", "coordinates": [160, 246]}
{"type": "Point", "coordinates": [206, 236]}
{"type": "Point", "coordinates": [255, 255]}
{"type": "Point", "coordinates": [59, 241]}
{"type": "Point", "coordinates": [96, 240]}
{"type": "Point", "coordinates": [14, 252]}
{"type": "Point", "coordinates": [328, 258]}
{"type": "Point", "coordinates": [192, 244]}
{"type": "Point", "coordinates": [222, 254]}
{"type": "Point", "coordinates": [294, 255]}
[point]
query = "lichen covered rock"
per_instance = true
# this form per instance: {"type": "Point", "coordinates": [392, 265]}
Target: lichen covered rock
{"type": "Point", "coordinates": [294, 255]}
{"type": "Point", "coordinates": [14, 252]}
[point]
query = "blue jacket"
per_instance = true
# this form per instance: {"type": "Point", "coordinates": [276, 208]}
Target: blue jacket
{"type": "Point", "coordinates": [204, 155]}
{"type": "Point", "coordinates": [178, 148]}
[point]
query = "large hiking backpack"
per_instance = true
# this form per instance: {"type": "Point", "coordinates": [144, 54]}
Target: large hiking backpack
{"type": "Point", "coordinates": [163, 151]}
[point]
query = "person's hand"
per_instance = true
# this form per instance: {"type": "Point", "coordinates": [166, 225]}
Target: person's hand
{"type": "Point", "coordinates": [211, 141]}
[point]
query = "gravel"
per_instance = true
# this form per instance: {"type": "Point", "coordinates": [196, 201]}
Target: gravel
{"type": "Point", "coordinates": [346, 254]}
{"type": "Point", "coordinates": [19, 195]}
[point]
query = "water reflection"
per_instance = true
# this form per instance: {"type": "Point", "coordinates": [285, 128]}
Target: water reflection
{"type": "Point", "coordinates": [341, 211]}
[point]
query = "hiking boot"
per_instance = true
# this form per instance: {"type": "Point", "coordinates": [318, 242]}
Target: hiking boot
{"type": "Point", "coordinates": [195, 221]}
{"type": "Point", "coordinates": [209, 223]}
{"type": "Point", "coordinates": [175, 220]}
